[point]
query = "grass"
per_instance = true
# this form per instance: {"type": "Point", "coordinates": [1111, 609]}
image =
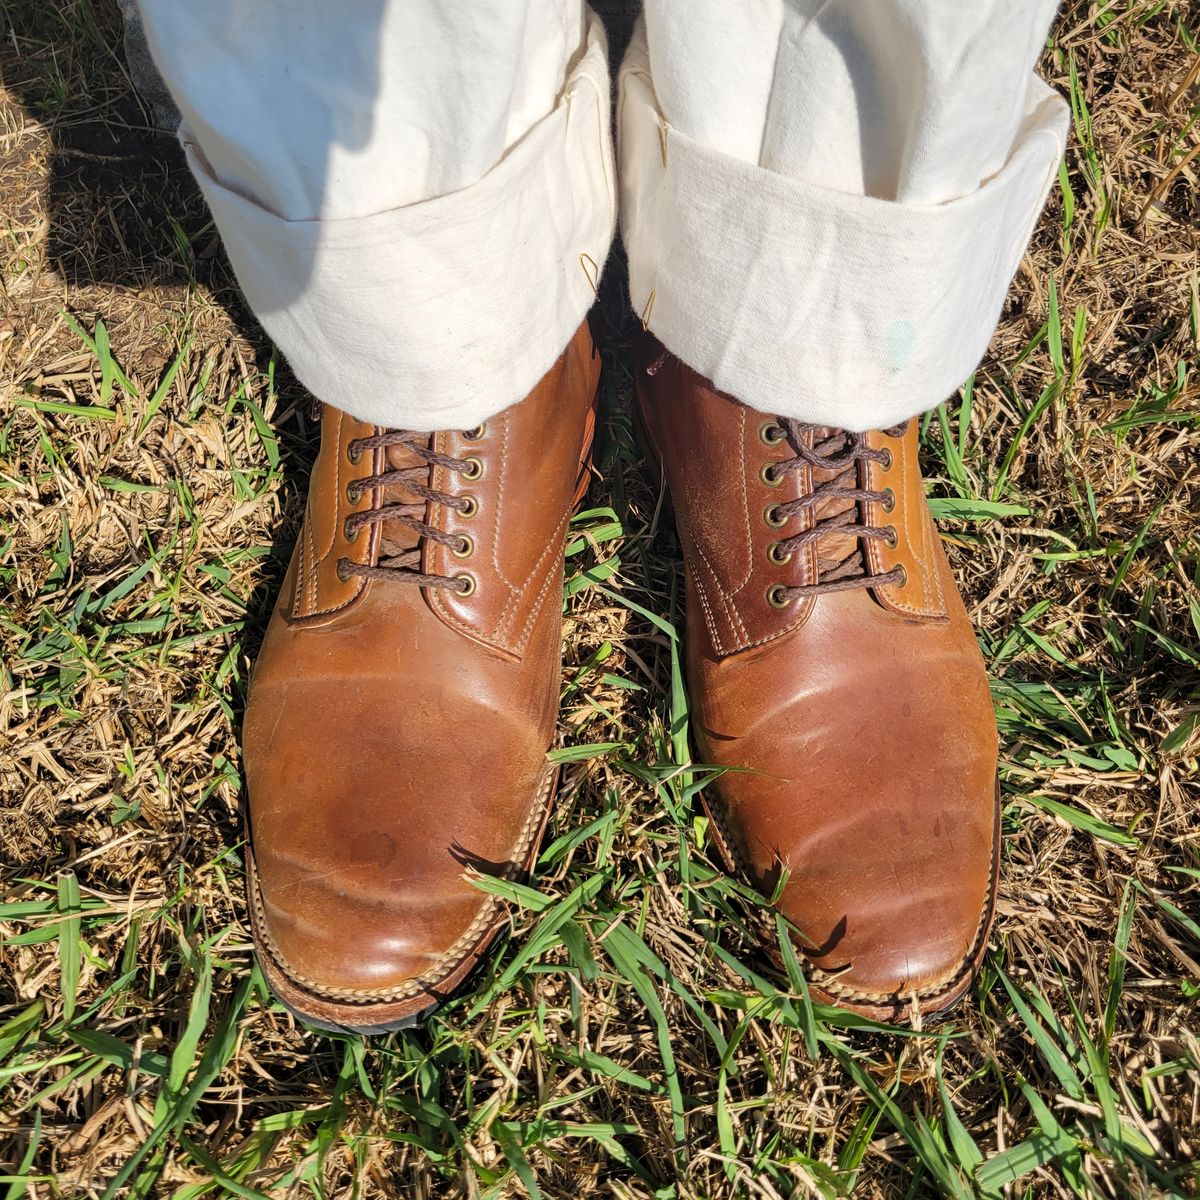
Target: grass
{"type": "Point", "coordinates": [627, 1038]}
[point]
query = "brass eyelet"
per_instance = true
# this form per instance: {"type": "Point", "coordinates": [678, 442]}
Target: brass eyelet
{"type": "Point", "coordinates": [353, 494]}
{"type": "Point", "coordinates": [773, 553]}
{"type": "Point", "coordinates": [886, 461]}
{"type": "Point", "coordinates": [768, 476]}
{"type": "Point", "coordinates": [777, 596]}
{"type": "Point", "coordinates": [350, 532]}
{"type": "Point", "coordinates": [890, 536]}
{"type": "Point", "coordinates": [465, 548]}
{"type": "Point", "coordinates": [903, 580]}
{"type": "Point", "coordinates": [354, 452]}
{"type": "Point", "coordinates": [772, 517]}
{"type": "Point", "coordinates": [771, 434]}
{"type": "Point", "coordinates": [474, 468]}
{"type": "Point", "coordinates": [466, 585]}
{"type": "Point", "coordinates": [889, 500]}
{"type": "Point", "coordinates": [470, 506]}
{"type": "Point", "coordinates": [475, 434]}
{"type": "Point", "coordinates": [343, 569]}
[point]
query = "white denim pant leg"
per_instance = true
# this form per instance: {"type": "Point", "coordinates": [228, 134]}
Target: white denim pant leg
{"type": "Point", "coordinates": [824, 201]}
{"type": "Point", "coordinates": [416, 196]}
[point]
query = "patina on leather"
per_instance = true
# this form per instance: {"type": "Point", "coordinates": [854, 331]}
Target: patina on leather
{"type": "Point", "coordinates": [830, 659]}
{"type": "Point", "coordinates": [405, 697]}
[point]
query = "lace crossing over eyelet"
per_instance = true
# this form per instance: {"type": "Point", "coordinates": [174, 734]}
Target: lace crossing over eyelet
{"type": "Point", "coordinates": [835, 501]}
{"type": "Point", "coordinates": [403, 500]}
{"type": "Point", "coordinates": [777, 596]}
{"type": "Point", "coordinates": [771, 434]}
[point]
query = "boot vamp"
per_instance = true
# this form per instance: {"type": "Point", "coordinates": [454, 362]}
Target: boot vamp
{"type": "Point", "coordinates": [871, 747]}
{"type": "Point", "coordinates": [387, 757]}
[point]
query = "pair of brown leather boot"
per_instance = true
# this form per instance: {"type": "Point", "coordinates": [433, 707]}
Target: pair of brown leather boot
{"type": "Point", "coordinates": [406, 695]}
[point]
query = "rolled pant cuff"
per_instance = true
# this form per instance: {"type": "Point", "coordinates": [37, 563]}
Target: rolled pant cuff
{"type": "Point", "coordinates": [830, 308]}
{"type": "Point", "coordinates": [440, 314]}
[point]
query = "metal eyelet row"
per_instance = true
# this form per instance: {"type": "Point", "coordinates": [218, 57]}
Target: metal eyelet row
{"type": "Point", "coordinates": [466, 546]}
{"type": "Point", "coordinates": [771, 434]}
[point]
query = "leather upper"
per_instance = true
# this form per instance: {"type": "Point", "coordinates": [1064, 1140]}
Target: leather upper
{"type": "Point", "coordinates": [396, 735]}
{"type": "Point", "coordinates": [860, 720]}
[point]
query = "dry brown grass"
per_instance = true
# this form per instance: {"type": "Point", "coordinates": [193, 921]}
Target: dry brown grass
{"type": "Point", "coordinates": [138, 555]}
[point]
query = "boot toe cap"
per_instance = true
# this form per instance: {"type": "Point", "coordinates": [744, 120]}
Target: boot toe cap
{"type": "Point", "coordinates": [884, 963]}
{"type": "Point", "coordinates": [342, 943]}
{"type": "Point", "coordinates": [887, 924]}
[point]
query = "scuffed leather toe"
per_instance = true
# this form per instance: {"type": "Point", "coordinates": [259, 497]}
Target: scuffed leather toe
{"type": "Point", "coordinates": [879, 950]}
{"type": "Point", "coordinates": [404, 700]}
{"type": "Point", "coordinates": [832, 665]}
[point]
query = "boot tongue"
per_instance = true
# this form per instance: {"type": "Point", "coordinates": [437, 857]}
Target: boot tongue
{"type": "Point", "coordinates": [397, 537]}
{"type": "Point", "coordinates": [836, 551]}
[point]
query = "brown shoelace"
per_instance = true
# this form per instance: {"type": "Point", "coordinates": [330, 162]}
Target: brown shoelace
{"type": "Point", "coordinates": [404, 564]}
{"type": "Point", "coordinates": [838, 453]}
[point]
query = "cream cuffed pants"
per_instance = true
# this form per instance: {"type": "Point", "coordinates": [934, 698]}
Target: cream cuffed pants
{"type": "Point", "coordinates": [823, 201]}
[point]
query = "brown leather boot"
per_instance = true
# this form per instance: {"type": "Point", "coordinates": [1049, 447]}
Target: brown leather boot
{"type": "Point", "coordinates": [405, 697]}
{"type": "Point", "coordinates": [830, 657]}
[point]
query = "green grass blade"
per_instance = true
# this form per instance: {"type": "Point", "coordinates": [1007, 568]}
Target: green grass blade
{"type": "Point", "coordinates": [70, 942]}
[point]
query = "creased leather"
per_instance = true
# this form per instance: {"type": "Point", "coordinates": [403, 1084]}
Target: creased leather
{"type": "Point", "coordinates": [859, 722]}
{"type": "Point", "coordinates": [391, 752]}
